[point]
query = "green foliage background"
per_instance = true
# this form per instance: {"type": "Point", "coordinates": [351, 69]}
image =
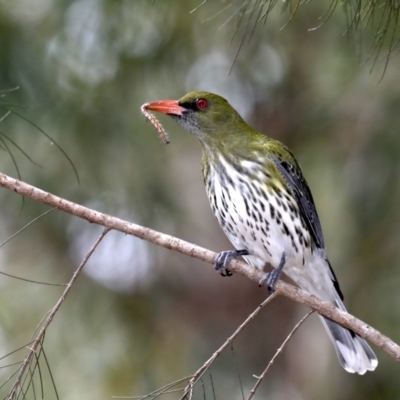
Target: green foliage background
{"type": "Point", "coordinates": [141, 316]}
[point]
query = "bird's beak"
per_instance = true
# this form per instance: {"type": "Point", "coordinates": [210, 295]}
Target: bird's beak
{"type": "Point", "coordinates": [165, 107]}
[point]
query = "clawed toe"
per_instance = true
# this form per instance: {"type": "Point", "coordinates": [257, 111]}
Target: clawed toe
{"type": "Point", "coordinates": [272, 278]}
{"type": "Point", "coordinates": [222, 260]}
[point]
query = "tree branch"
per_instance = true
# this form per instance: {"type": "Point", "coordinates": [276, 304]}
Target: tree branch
{"type": "Point", "coordinates": [279, 351]}
{"type": "Point", "coordinates": [188, 392]}
{"type": "Point", "coordinates": [17, 388]}
{"type": "Point", "coordinates": [208, 256]}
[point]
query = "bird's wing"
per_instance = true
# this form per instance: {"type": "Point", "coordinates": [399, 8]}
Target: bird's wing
{"type": "Point", "coordinates": [291, 172]}
{"type": "Point", "coordinates": [294, 177]}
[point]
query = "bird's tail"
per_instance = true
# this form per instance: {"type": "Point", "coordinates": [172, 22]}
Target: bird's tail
{"type": "Point", "coordinates": [353, 351]}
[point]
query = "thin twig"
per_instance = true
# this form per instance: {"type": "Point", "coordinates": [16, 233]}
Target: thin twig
{"type": "Point", "coordinates": [38, 342]}
{"type": "Point", "coordinates": [47, 136]}
{"type": "Point", "coordinates": [17, 233]}
{"type": "Point", "coordinates": [262, 376]}
{"type": "Point", "coordinates": [163, 390]}
{"type": "Point", "coordinates": [196, 8]}
{"type": "Point", "coordinates": [199, 373]}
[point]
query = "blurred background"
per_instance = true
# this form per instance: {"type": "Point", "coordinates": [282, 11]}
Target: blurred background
{"type": "Point", "coordinates": [141, 316]}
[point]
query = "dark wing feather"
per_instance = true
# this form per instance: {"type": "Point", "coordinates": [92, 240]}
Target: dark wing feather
{"type": "Point", "coordinates": [302, 193]}
{"type": "Point", "coordinates": [292, 174]}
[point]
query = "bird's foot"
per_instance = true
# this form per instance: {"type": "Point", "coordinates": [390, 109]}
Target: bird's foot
{"type": "Point", "coordinates": [272, 278]}
{"type": "Point", "coordinates": [222, 260]}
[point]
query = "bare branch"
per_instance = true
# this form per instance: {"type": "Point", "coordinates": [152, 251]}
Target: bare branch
{"type": "Point", "coordinates": [167, 389]}
{"type": "Point", "coordinates": [199, 373]}
{"type": "Point", "coordinates": [208, 256]}
{"type": "Point", "coordinates": [279, 351]}
{"type": "Point", "coordinates": [38, 342]}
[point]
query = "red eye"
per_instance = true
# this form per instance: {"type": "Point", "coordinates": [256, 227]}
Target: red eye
{"type": "Point", "coordinates": [201, 103]}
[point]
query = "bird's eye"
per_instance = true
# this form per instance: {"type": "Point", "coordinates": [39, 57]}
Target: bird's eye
{"type": "Point", "coordinates": [201, 103]}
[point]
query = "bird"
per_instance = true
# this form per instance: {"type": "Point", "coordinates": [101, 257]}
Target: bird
{"type": "Point", "coordinates": [264, 205]}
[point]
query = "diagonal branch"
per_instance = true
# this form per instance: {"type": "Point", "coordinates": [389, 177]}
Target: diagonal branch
{"type": "Point", "coordinates": [188, 393]}
{"type": "Point", "coordinates": [38, 342]}
{"type": "Point", "coordinates": [192, 250]}
{"type": "Point", "coordinates": [262, 376]}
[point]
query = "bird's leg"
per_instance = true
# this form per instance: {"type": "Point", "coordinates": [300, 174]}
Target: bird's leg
{"type": "Point", "coordinates": [222, 260]}
{"type": "Point", "coordinates": [272, 278]}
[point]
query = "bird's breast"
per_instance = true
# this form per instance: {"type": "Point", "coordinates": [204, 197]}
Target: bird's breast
{"type": "Point", "coordinates": [256, 212]}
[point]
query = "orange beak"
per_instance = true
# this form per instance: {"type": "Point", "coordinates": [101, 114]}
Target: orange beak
{"type": "Point", "coordinates": [165, 107]}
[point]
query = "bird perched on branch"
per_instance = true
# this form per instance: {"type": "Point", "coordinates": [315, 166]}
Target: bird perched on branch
{"type": "Point", "coordinates": [263, 203]}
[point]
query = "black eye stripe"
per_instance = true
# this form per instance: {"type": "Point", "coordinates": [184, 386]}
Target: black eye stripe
{"type": "Point", "coordinates": [190, 105]}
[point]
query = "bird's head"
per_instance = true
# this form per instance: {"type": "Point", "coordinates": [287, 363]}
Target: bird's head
{"type": "Point", "coordinates": [206, 115]}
